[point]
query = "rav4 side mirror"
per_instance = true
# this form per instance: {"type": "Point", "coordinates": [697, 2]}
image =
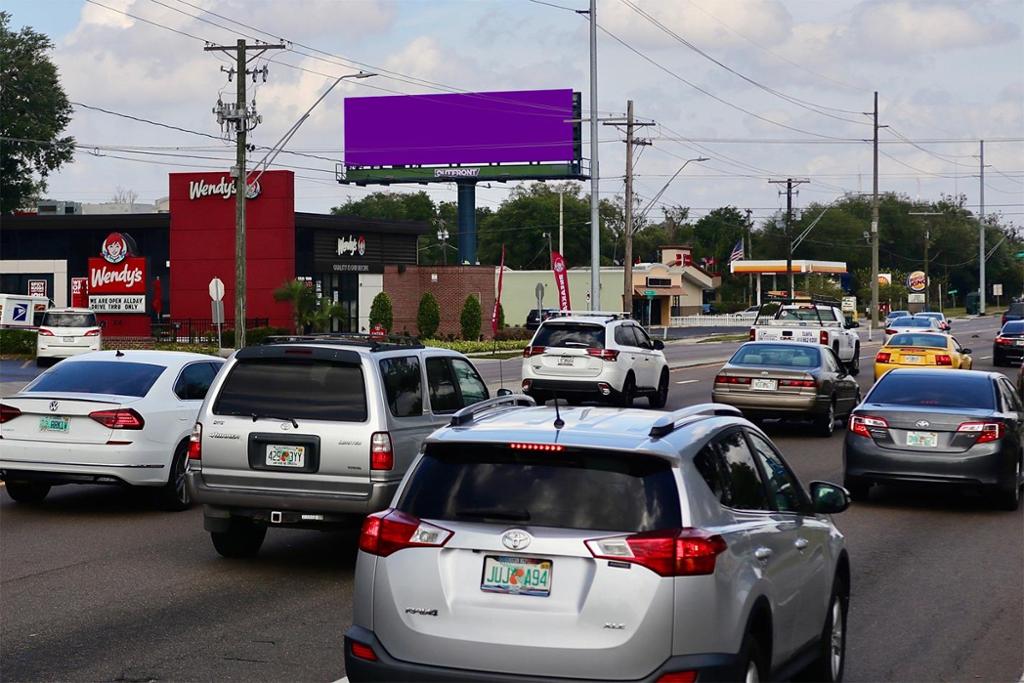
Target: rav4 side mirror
{"type": "Point", "coordinates": [504, 392]}
{"type": "Point", "coordinates": [658, 344]}
{"type": "Point", "coordinates": [829, 499]}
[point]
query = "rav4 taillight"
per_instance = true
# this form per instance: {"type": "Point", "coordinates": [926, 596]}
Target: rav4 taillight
{"type": "Point", "coordinates": [382, 457]}
{"type": "Point", "coordinates": [532, 351]}
{"type": "Point", "coordinates": [862, 425]}
{"type": "Point", "coordinates": [195, 442]}
{"type": "Point", "coordinates": [672, 552]}
{"type": "Point", "coordinates": [121, 418]}
{"type": "Point", "coordinates": [986, 431]}
{"type": "Point", "coordinates": [389, 531]}
{"type": "Point", "coordinates": [8, 413]}
{"type": "Point", "coordinates": [603, 354]}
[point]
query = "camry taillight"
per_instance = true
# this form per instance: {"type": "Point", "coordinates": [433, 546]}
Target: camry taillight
{"type": "Point", "coordinates": [728, 379]}
{"type": "Point", "coordinates": [532, 351]}
{"type": "Point", "coordinates": [986, 431]}
{"type": "Point", "coordinates": [943, 359]}
{"type": "Point", "coordinates": [603, 354]}
{"type": "Point", "coordinates": [862, 425]}
{"type": "Point", "coordinates": [45, 333]}
{"type": "Point", "coordinates": [672, 552]}
{"type": "Point", "coordinates": [1003, 340]}
{"type": "Point", "coordinates": [382, 457]}
{"type": "Point", "coordinates": [195, 442]}
{"type": "Point", "coordinates": [802, 383]}
{"type": "Point", "coordinates": [389, 531]}
{"type": "Point", "coordinates": [8, 413]}
{"type": "Point", "coordinates": [882, 357]}
{"type": "Point", "coordinates": [121, 418]}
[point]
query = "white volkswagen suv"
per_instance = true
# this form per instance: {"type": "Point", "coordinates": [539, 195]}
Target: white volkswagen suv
{"type": "Point", "coordinates": [595, 355]}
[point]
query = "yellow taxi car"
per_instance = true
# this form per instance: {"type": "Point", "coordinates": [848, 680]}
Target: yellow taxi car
{"type": "Point", "coordinates": [922, 350]}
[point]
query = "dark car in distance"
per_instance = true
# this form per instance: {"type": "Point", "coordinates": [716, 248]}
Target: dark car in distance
{"type": "Point", "coordinates": [1014, 312]}
{"type": "Point", "coordinates": [536, 316]}
{"type": "Point", "coordinates": [788, 380]}
{"type": "Point", "coordinates": [1008, 346]}
{"type": "Point", "coordinates": [960, 427]}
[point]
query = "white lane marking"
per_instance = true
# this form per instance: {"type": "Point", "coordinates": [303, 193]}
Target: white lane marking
{"type": "Point", "coordinates": [986, 357]}
{"type": "Point", "coordinates": [25, 364]}
{"type": "Point", "coordinates": [687, 381]}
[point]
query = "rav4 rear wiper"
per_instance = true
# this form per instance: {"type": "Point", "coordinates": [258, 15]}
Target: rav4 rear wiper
{"type": "Point", "coordinates": [494, 513]}
{"type": "Point", "coordinates": [257, 416]}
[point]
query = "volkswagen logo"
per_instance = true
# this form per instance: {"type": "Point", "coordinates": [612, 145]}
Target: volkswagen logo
{"type": "Point", "coordinates": [516, 539]}
{"type": "Point", "coordinates": [54, 406]}
{"type": "Point", "coordinates": [922, 423]}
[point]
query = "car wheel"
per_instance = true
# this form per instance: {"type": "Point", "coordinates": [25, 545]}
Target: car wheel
{"type": "Point", "coordinates": [27, 492]}
{"type": "Point", "coordinates": [831, 659]}
{"type": "Point", "coordinates": [173, 496]}
{"type": "Point", "coordinates": [998, 361]}
{"type": "Point", "coordinates": [858, 488]}
{"type": "Point", "coordinates": [660, 398]}
{"type": "Point", "coordinates": [854, 367]}
{"type": "Point", "coordinates": [1009, 499]}
{"type": "Point", "coordinates": [826, 424]}
{"type": "Point", "coordinates": [628, 391]}
{"type": "Point", "coordinates": [42, 362]}
{"type": "Point", "coordinates": [752, 660]}
{"type": "Point", "coordinates": [242, 539]}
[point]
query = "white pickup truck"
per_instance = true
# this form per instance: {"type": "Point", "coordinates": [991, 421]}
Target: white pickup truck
{"type": "Point", "coordinates": [811, 321]}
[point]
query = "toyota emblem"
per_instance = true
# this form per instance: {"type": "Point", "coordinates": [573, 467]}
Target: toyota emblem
{"type": "Point", "coordinates": [54, 406]}
{"type": "Point", "coordinates": [516, 539]}
{"type": "Point", "coordinates": [922, 423]}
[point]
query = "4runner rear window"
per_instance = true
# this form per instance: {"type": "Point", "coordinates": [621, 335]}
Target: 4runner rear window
{"type": "Point", "coordinates": [576, 489]}
{"type": "Point", "coordinates": [299, 389]}
{"type": "Point", "coordinates": [572, 335]}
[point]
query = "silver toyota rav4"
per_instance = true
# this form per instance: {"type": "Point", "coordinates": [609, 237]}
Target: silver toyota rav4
{"type": "Point", "coordinates": [600, 544]}
{"type": "Point", "coordinates": [317, 431]}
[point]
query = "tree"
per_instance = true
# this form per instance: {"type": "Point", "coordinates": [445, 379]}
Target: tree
{"type": "Point", "coordinates": [303, 300]}
{"type": "Point", "coordinates": [381, 312]}
{"type": "Point", "coordinates": [470, 319]}
{"type": "Point", "coordinates": [124, 196]}
{"type": "Point", "coordinates": [33, 112]}
{"type": "Point", "coordinates": [428, 316]}
{"type": "Point", "coordinates": [323, 312]}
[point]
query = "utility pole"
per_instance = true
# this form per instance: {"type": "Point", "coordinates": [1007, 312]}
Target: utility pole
{"type": "Point", "coordinates": [927, 242]}
{"type": "Point", "coordinates": [749, 255]}
{"type": "Point", "coordinates": [595, 196]}
{"type": "Point", "coordinates": [790, 182]}
{"type": "Point", "coordinates": [561, 224]}
{"type": "Point", "coordinates": [244, 119]}
{"type": "Point", "coordinates": [874, 221]}
{"type": "Point", "coordinates": [981, 231]}
{"type": "Point", "coordinates": [627, 259]}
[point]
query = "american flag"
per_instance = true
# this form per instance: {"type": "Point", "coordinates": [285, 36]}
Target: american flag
{"type": "Point", "coordinates": [737, 252]}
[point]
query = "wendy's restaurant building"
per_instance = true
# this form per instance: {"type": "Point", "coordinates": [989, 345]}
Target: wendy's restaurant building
{"type": "Point", "coordinates": [146, 269]}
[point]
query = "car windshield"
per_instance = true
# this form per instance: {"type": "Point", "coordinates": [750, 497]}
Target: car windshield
{"type": "Point", "coordinates": [1013, 328]}
{"type": "Point", "coordinates": [575, 489]}
{"type": "Point", "coordinates": [934, 389]}
{"type": "Point", "coordinates": [928, 341]}
{"type": "Point", "coordinates": [294, 388]}
{"type": "Point", "coordinates": [807, 314]}
{"type": "Point", "coordinates": [898, 314]}
{"type": "Point", "coordinates": [912, 322]}
{"type": "Point", "coordinates": [68, 320]}
{"type": "Point", "coordinates": [785, 355]}
{"type": "Point", "coordinates": [98, 377]}
{"type": "Point", "coordinates": [576, 335]}
{"type": "Point", "coordinates": [935, 316]}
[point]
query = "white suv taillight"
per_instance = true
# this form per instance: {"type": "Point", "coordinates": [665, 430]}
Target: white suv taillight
{"type": "Point", "coordinates": [381, 455]}
{"type": "Point", "coordinates": [672, 552]}
{"type": "Point", "coordinates": [389, 531]}
{"type": "Point", "coordinates": [195, 443]}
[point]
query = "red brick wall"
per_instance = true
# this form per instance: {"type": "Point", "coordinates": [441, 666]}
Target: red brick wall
{"type": "Point", "coordinates": [454, 284]}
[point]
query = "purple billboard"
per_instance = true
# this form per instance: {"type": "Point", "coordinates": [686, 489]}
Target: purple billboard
{"type": "Point", "coordinates": [471, 128]}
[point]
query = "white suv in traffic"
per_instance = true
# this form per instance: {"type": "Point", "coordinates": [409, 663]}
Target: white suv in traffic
{"type": "Point", "coordinates": [66, 332]}
{"type": "Point", "coordinates": [595, 355]}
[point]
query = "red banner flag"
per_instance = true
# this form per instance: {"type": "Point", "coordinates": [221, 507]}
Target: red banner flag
{"type": "Point", "coordinates": [561, 281]}
{"type": "Point", "coordinates": [497, 301]}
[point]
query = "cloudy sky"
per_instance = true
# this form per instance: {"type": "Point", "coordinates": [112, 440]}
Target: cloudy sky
{"type": "Point", "coordinates": [765, 88]}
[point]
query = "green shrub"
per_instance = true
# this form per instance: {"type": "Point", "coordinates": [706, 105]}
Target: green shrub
{"type": "Point", "coordinates": [253, 336]}
{"type": "Point", "coordinates": [209, 349]}
{"type": "Point", "coordinates": [516, 333]}
{"type": "Point", "coordinates": [476, 346]}
{"type": "Point", "coordinates": [428, 317]}
{"type": "Point", "coordinates": [380, 311]}
{"type": "Point", "coordinates": [20, 342]}
{"type": "Point", "coordinates": [469, 321]}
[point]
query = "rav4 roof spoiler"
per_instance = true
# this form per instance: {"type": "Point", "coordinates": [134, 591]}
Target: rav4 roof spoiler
{"type": "Point", "coordinates": [667, 424]}
{"type": "Point", "coordinates": [468, 414]}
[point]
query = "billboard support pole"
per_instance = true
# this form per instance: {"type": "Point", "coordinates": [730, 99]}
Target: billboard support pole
{"type": "Point", "coordinates": [467, 222]}
{"type": "Point", "coordinates": [595, 196]}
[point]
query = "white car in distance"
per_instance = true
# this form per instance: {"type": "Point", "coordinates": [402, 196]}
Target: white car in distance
{"type": "Point", "coordinates": [110, 417]}
{"type": "Point", "coordinates": [66, 332]}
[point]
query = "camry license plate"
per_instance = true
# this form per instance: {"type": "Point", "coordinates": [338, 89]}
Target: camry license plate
{"type": "Point", "coordinates": [516, 575]}
{"type": "Point", "coordinates": [53, 424]}
{"type": "Point", "coordinates": [286, 456]}
{"type": "Point", "coordinates": [764, 384]}
{"type": "Point", "coordinates": [923, 439]}
{"type": "Point", "coordinates": [1019, 342]}
{"type": "Point", "coordinates": [565, 361]}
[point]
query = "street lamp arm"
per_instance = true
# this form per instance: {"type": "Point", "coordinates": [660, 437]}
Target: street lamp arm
{"type": "Point", "coordinates": [650, 204]}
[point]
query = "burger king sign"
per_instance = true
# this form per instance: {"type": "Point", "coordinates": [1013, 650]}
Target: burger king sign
{"type": "Point", "coordinates": [917, 281]}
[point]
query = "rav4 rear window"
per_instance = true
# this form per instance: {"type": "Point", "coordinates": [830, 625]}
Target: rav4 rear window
{"type": "Point", "coordinates": [299, 389]}
{"type": "Point", "coordinates": [576, 489]}
{"type": "Point", "coordinates": [99, 377]}
{"type": "Point", "coordinates": [571, 335]}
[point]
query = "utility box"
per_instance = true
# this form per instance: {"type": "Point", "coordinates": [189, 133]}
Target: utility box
{"type": "Point", "coordinates": [973, 303]}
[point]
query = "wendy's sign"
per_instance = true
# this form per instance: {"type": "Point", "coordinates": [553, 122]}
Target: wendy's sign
{"type": "Point", "coordinates": [117, 280]}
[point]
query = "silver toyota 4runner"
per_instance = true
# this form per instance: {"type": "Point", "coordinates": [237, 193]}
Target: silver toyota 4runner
{"type": "Point", "coordinates": [600, 545]}
{"type": "Point", "coordinates": [317, 431]}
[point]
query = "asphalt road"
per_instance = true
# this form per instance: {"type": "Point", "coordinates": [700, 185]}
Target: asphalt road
{"type": "Point", "coordinates": [96, 585]}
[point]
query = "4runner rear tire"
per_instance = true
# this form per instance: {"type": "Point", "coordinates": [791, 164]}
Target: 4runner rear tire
{"type": "Point", "coordinates": [242, 539]}
{"type": "Point", "coordinates": [27, 492]}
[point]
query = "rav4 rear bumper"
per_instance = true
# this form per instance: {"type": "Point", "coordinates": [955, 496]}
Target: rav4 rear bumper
{"type": "Point", "coordinates": [710, 667]}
